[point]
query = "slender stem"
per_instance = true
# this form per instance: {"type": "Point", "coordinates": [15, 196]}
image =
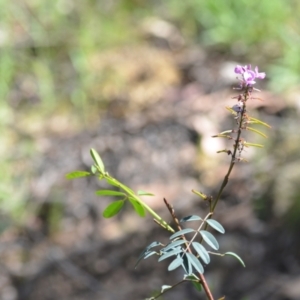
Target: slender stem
{"type": "Point", "coordinates": [202, 278]}
{"type": "Point", "coordinates": [233, 157]}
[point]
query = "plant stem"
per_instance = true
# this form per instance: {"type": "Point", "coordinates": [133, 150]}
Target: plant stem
{"type": "Point", "coordinates": [233, 157]}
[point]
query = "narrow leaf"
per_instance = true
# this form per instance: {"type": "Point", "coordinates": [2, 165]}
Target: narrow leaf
{"type": "Point", "coordinates": [202, 252]}
{"type": "Point", "coordinates": [253, 145]}
{"type": "Point", "coordinates": [143, 193]}
{"type": "Point", "coordinates": [97, 159]}
{"type": "Point", "coordinates": [226, 131]}
{"type": "Point", "coordinates": [169, 254]}
{"type": "Point", "coordinates": [175, 263]}
{"type": "Point", "coordinates": [113, 208]}
{"type": "Point", "coordinates": [231, 110]}
{"type": "Point", "coordinates": [144, 255]}
{"type": "Point", "coordinates": [150, 253]}
{"type": "Point", "coordinates": [139, 209]}
{"type": "Point", "coordinates": [203, 196]}
{"type": "Point", "coordinates": [259, 122]}
{"type": "Point", "coordinates": [146, 251]}
{"type": "Point", "coordinates": [210, 239]}
{"type": "Point", "coordinates": [93, 169]}
{"type": "Point", "coordinates": [237, 257]}
{"type": "Point", "coordinates": [190, 218]}
{"type": "Point", "coordinates": [165, 287]}
{"type": "Point", "coordinates": [197, 286]}
{"type": "Point", "coordinates": [256, 131]}
{"type": "Point", "coordinates": [174, 244]}
{"type": "Point", "coordinates": [153, 244]}
{"type": "Point", "coordinates": [195, 262]}
{"type": "Point", "coordinates": [216, 225]}
{"type": "Point", "coordinates": [222, 135]}
{"type": "Point", "coordinates": [109, 193]}
{"type": "Point", "coordinates": [77, 174]}
{"type": "Point", "coordinates": [181, 232]}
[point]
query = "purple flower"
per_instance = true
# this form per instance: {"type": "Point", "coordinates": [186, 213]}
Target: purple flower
{"type": "Point", "coordinates": [248, 75]}
{"type": "Point", "coordinates": [260, 75]}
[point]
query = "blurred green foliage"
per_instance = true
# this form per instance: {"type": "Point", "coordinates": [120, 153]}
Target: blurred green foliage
{"type": "Point", "coordinates": [265, 32]}
{"type": "Point", "coordinates": [47, 47]}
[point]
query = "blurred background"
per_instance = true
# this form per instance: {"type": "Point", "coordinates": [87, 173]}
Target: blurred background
{"type": "Point", "coordinates": [145, 83]}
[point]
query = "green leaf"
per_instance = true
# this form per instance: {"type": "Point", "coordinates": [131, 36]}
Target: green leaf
{"type": "Point", "coordinates": [197, 286]}
{"type": "Point", "coordinates": [77, 174]}
{"type": "Point", "coordinates": [171, 253]}
{"type": "Point", "coordinates": [165, 287]}
{"type": "Point", "coordinates": [253, 145]}
{"type": "Point", "coordinates": [231, 110]}
{"type": "Point", "coordinates": [181, 232]}
{"type": "Point", "coordinates": [195, 281]}
{"type": "Point", "coordinates": [97, 159]}
{"type": "Point", "coordinates": [256, 131]}
{"type": "Point", "coordinates": [93, 169]}
{"type": "Point", "coordinates": [215, 225]}
{"type": "Point", "coordinates": [113, 208]}
{"type": "Point", "coordinates": [237, 257]}
{"type": "Point", "coordinates": [195, 262]}
{"type": "Point", "coordinates": [143, 193]}
{"type": "Point", "coordinates": [109, 193]}
{"type": "Point", "coordinates": [259, 122]}
{"type": "Point", "coordinates": [138, 207]}
{"type": "Point", "coordinates": [203, 196]}
{"type": "Point", "coordinates": [202, 252]}
{"type": "Point", "coordinates": [175, 263]}
{"type": "Point", "coordinates": [174, 244]}
{"type": "Point", "coordinates": [210, 239]}
{"type": "Point", "coordinates": [226, 131]}
{"type": "Point", "coordinates": [190, 218]}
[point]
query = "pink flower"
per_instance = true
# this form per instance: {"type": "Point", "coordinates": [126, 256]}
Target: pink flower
{"type": "Point", "coordinates": [261, 75]}
{"type": "Point", "coordinates": [248, 75]}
